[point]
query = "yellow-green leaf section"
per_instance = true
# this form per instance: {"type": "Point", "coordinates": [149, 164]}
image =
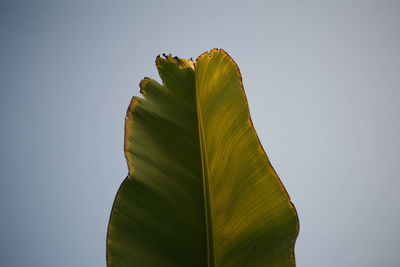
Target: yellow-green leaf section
{"type": "Point", "coordinates": [200, 190]}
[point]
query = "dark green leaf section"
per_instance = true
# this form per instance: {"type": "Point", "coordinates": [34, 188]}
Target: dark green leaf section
{"type": "Point", "coordinates": [200, 190]}
{"type": "Point", "coordinates": [158, 214]}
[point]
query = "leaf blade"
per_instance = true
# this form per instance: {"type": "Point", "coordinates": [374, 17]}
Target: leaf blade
{"type": "Point", "coordinates": [196, 163]}
{"type": "Point", "coordinates": [157, 212]}
{"type": "Point", "coordinates": [248, 199]}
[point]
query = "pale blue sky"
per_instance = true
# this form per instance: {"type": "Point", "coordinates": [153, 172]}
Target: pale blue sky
{"type": "Point", "coordinates": [322, 79]}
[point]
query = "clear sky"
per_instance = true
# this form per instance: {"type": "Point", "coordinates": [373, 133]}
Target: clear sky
{"type": "Point", "coordinates": [323, 83]}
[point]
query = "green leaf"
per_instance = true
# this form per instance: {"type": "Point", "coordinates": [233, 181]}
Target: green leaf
{"type": "Point", "coordinates": [200, 189]}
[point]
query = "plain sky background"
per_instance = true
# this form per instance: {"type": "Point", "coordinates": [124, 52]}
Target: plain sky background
{"type": "Point", "coordinates": [322, 79]}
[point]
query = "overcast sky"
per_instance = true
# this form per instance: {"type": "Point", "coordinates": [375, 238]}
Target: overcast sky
{"type": "Point", "coordinates": [323, 83]}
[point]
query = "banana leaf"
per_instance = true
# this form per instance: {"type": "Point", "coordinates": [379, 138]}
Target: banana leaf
{"type": "Point", "coordinates": [200, 189]}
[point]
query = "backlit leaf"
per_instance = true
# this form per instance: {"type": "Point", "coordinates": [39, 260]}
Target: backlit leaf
{"type": "Point", "coordinates": [200, 189]}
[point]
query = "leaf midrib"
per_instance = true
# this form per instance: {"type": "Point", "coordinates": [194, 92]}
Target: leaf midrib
{"type": "Point", "coordinates": [206, 186]}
